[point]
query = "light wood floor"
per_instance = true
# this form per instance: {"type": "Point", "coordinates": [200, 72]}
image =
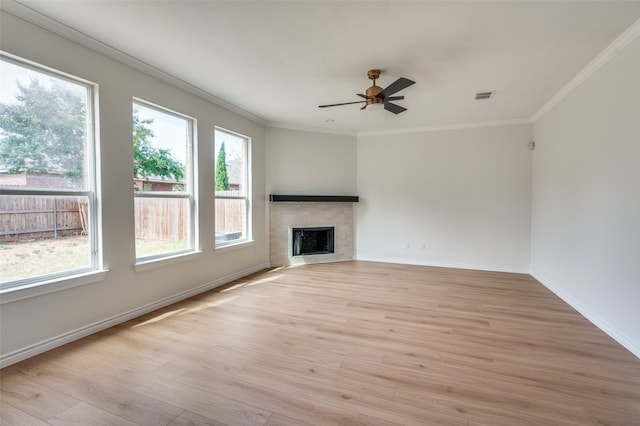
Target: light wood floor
{"type": "Point", "coordinates": [352, 343]}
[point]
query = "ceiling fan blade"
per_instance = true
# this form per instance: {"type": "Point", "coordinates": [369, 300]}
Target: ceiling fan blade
{"type": "Point", "coordinates": [396, 86]}
{"type": "Point", "coordinates": [362, 96]}
{"type": "Point", "coordinates": [396, 109]}
{"type": "Point", "coordinates": [345, 103]}
{"type": "Point", "coordinates": [364, 107]}
{"type": "Point", "coordinates": [394, 98]}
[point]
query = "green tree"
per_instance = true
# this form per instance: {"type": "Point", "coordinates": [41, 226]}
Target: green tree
{"type": "Point", "coordinates": [44, 131]}
{"type": "Point", "coordinates": [222, 178]}
{"type": "Point", "coordinates": [149, 161]}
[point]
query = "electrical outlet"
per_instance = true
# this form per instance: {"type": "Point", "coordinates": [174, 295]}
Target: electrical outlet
{"type": "Point", "coordinates": [407, 245]}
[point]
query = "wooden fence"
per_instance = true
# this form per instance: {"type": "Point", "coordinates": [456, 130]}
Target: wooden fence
{"type": "Point", "coordinates": [162, 218]}
{"type": "Point", "coordinates": [37, 216]}
{"type": "Point", "coordinates": [230, 215]}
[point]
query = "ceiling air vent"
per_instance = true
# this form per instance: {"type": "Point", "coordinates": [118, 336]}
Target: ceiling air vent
{"type": "Point", "coordinates": [484, 95]}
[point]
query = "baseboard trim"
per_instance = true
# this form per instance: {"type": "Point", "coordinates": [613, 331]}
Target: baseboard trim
{"type": "Point", "coordinates": [595, 319]}
{"type": "Point", "coordinates": [54, 342]}
{"type": "Point", "coordinates": [490, 268]}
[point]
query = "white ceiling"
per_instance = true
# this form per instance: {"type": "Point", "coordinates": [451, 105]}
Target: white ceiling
{"type": "Point", "coordinates": [279, 60]}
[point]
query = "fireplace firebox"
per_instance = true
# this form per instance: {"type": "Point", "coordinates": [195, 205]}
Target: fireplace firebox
{"type": "Point", "coordinates": [310, 241]}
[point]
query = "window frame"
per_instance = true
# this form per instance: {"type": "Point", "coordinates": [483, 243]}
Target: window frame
{"type": "Point", "coordinates": [190, 183]}
{"type": "Point", "coordinates": [91, 191]}
{"type": "Point", "coordinates": [247, 197]}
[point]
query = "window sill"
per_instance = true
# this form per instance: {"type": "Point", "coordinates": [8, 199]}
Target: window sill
{"type": "Point", "coordinates": [231, 246]}
{"type": "Point", "coordinates": [147, 265]}
{"type": "Point", "coordinates": [28, 291]}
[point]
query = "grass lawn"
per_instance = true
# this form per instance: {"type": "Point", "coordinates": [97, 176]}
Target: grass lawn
{"type": "Point", "coordinates": [24, 259]}
{"type": "Point", "coordinates": [31, 258]}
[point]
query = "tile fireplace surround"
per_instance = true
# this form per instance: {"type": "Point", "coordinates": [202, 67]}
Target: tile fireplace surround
{"type": "Point", "coordinates": [283, 216]}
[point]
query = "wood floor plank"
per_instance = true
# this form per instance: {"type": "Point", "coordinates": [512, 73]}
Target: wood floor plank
{"type": "Point", "coordinates": [32, 397]}
{"type": "Point", "coordinates": [88, 415]}
{"type": "Point", "coordinates": [12, 416]}
{"type": "Point", "coordinates": [187, 418]}
{"type": "Point", "coordinates": [350, 343]}
{"type": "Point", "coordinates": [101, 392]}
{"type": "Point", "coordinates": [273, 399]}
{"type": "Point", "coordinates": [279, 420]}
{"type": "Point", "coordinates": [207, 402]}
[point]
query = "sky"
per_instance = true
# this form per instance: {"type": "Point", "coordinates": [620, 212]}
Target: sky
{"type": "Point", "coordinates": [10, 74]}
{"type": "Point", "coordinates": [170, 131]}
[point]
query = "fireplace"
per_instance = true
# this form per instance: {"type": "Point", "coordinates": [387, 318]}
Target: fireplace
{"type": "Point", "coordinates": [311, 213]}
{"type": "Point", "coordinates": [312, 240]}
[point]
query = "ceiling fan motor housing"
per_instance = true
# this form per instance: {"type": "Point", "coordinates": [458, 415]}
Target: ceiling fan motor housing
{"type": "Point", "coordinates": [373, 91]}
{"type": "Point", "coordinates": [372, 95]}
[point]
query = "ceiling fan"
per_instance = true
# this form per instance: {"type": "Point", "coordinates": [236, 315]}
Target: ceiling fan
{"type": "Point", "coordinates": [376, 95]}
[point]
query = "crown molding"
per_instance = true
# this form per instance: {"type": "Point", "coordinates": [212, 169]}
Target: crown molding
{"type": "Point", "coordinates": [402, 131]}
{"type": "Point", "coordinates": [592, 67]}
{"type": "Point", "coordinates": [476, 125]}
{"type": "Point", "coordinates": [28, 14]}
{"type": "Point", "coordinates": [311, 129]}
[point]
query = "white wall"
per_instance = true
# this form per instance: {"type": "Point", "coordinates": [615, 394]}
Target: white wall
{"type": "Point", "coordinates": [310, 163]}
{"type": "Point", "coordinates": [30, 325]}
{"type": "Point", "coordinates": [463, 194]}
{"type": "Point", "coordinates": [586, 198]}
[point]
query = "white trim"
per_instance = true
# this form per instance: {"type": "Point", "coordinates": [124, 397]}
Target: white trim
{"type": "Point", "coordinates": [54, 342]}
{"type": "Point", "coordinates": [501, 123]}
{"type": "Point", "coordinates": [592, 67]}
{"type": "Point", "coordinates": [56, 27]}
{"type": "Point", "coordinates": [232, 246]}
{"type": "Point", "coordinates": [311, 129]}
{"type": "Point", "coordinates": [614, 333]}
{"type": "Point", "coordinates": [143, 264]}
{"type": "Point", "coordinates": [475, 267]}
{"type": "Point", "coordinates": [27, 291]}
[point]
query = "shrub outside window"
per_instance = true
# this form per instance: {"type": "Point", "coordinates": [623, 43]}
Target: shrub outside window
{"type": "Point", "coordinates": [48, 193]}
{"type": "Point", "coordinates": [232, 189]}
{"type": "Point", "coordinates": [163, 182]}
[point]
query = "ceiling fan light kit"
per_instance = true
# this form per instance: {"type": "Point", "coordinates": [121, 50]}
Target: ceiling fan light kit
{"type": "Point", "coordinates": [376, 96]}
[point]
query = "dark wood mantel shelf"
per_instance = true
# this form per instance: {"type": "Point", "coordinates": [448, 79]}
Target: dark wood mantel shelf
{"type": "Point", "coordinates": [314, 198]}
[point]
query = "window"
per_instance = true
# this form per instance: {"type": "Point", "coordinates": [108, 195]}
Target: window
{"type": "Point", "coordinates": [48, 214]}
{"type": "Point", "coordinates": [163, 182]}
{"type": "Point", "coordinates": [232, 191]}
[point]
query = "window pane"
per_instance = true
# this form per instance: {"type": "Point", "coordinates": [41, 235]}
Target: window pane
{"type": "Point", "coordinates": [43, 130]}
{"type": "Point", "coordinates": [42, 234]}
{"type": "Point", "coordinates": [162, 158]}
{"type": "Point", "coordinates": [231, 220]}
{"type": "Point", "coordinates": [231, 161]}
{"type": "Point", "coordinates": [160, 150]}
{"type": "Point", "coordinates": [231, 187]}
{"type": "Point", "coordinates": [162, 225]}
